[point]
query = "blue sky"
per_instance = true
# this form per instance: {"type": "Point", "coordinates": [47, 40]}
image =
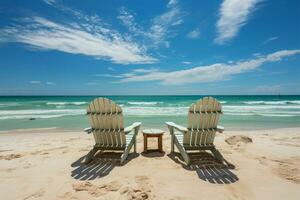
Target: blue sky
{"type": "Point", "coordinates": [56, 47]}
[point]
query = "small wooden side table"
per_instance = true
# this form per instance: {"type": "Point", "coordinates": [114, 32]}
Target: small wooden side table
{"type": "Point", "coordinates": [153, 133]}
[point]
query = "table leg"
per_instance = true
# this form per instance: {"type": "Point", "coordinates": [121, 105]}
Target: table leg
{"type": "Point", "coordinates": [160, 143]}
{"type": "Point", "coordinates": [145, 143]}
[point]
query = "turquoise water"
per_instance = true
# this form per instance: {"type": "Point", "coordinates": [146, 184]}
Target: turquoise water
{"type": "Point", "coordinates": [240, 112]}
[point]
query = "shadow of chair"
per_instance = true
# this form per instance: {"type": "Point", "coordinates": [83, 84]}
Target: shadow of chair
{"type": "Point", "coordinates": [153, 153]}
{"type": "Point", "coordinates": [207, 167]}
{"type": "Point", "coordinates": [102, 164]}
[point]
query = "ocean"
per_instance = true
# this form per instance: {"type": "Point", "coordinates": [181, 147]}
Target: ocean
{"type": "Point", "coordinates": [68, 112]}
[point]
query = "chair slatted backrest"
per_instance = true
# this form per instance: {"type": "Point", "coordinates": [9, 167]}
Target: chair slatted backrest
{"type": "Point", "coordinates": [203, 118]}
{"type": "Point", "coordinates": [106, 120]}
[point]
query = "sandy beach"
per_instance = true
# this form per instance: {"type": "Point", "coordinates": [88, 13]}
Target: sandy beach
{"type": "Point", "coordinates": [47, 164]}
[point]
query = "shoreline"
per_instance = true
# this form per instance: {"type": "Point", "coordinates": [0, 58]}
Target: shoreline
{"type": "Point", "coordinates": [60, 129]}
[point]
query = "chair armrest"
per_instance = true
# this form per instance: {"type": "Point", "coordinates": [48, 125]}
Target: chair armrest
{"type": "Point", "coordinates": [88, 130]}
{"type": "Point", "coordinates": [135, 125]}
{"type": "Point", "coordinates": [220, 129]}
{"type": "Point", "coordinates": [177, 127]}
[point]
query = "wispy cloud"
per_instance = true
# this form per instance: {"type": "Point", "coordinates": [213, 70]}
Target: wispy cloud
{"type": "Point", "coordinates": [208, 73]}
{"type": "Point", "coordinates": [40, 82]}
{"type": "Point", "coordinates": [50, 2]}
{"type": "Point", "coordinates": [73, 12]}
{"type": "Point", "coordinates": [160, 26]}
{"type": "Point", "coordinates": [90, 38]}
{"type": "Point", "coordinates": [50, 83]}
{"type": "Point", "coordinates": [111, 69]}
{"type": "Point", "coordinates": [194, 34]}
{"type": "Point", "coordinates": [107, 75]}
{"type": "Point", "coordinates": [162, 23]}
{"type": "Point", "coordinates": [270, 39]}
{"type": "Point", "coordinates": [128, 19]}
{"type": "Point", "coordinates": [234, 14]}
{"type": "Point", "coordinates": [142, 70]}
{"type": "Point", "coordinates": [35, 82]}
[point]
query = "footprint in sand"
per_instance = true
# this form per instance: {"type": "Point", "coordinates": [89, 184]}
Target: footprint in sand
{"type": "Point", "coordinates": [46, 151]}
{"type": "Point", "coordinates": [67, 195]}
{"type": "Point", "coordinates": [288, 169]}
{"type": "Point", "coordinates": [37, 194]}
{"type": "Point", "coordinates": [130, 193]}
{"type": "Point", "coordinates": [65, 151]}
{"type": "Point", "coordinates": [11, 156]}
{"type": "Point", "coordinates": [238, 139]}
{"type": "Point", "coordinates": [143, 182]}
{"type": "Point", "coordinates": [5, 150]}
{"type": "Point", "coordinates": [285, 168]}
{"type": "Point", "coordinates": [95, 190]}
{"type": "Point", "coordinates": [10, 169]}
{"type": "Point", "coordinates": [141, 192]}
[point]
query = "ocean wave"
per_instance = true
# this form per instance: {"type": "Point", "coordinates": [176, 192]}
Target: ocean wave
{"type": "Point", "coordinates": [144, 110]}
{"type": "Point", "coordinates": [261, 107]}
{"type": "Point", "coordinates": [33, 116]}
{"type": "Point", "coordinates": [9, 104]}
{"type": "Point", "coordinates": [155, 111]}
{"type": "Point", "coordinates": [143, 102]}
{"type": "Point", "coordinates": [223, 102]}
{"type": "Point", "coordinates": [44, 114]}
{"type": "Point", "coordinates": [262, 114]}
{"type": "Point", "coordinates": [183, 111]}
{"type": "Point", "coordinates": [67, 103]}
{"type": "Point", "coordinates": [286, 102]}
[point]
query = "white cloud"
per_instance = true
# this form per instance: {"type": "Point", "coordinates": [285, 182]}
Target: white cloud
{"type": "Point", "coordinates": [107, 75]}
{"type": "Point", "coordinates": [142, 70]}
{"type": "Point", "coordinates": [35, 82]}
{"type": "Point", "coordinates": [128, 20]}
{"type": "Point", "coordinates": [270, 39]}
{"type": "Point", "coordinates": [160, 27]}
{"type": "Point", "coordinates": [50, 83]}
{"type": "Point", "coordinates": [172, 2]}
{"type": "Point", "coordinates": [233, 15]}
{"type": "Point", "coordinates": [186, 62]}
{"type": "Point", "coordinates": [87, 36]}
{"type": "Point", "coordinates": [66, 10]}
{"type": "Point", "coordinates": [193, 34]}
{"type": "Point", "coordinates": [162, 23]}
{"type": "Point", "coordinates": [209, 73]}
{"type": "Point", "coordinates": [50, 2]}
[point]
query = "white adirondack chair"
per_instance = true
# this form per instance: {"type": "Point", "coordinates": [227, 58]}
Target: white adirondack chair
{"type": "Point", "coordinates": [106, 120]}
{"type": "Point", "coordinates": [203, 118]}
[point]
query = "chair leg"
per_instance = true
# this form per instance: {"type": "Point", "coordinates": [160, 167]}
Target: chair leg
{"type": "Point", "coordinates": [90, 155]}
{"type": "Point", "coordinates": [172, 143]}
{"type": "Point", "coordinates": [124, 155]}
{"type": "Point", "coordinates": [134, 148]}
{"type": "Point", "coordinates": [183, 153]}
{"type": "Point", "coordinates": [127, 150]}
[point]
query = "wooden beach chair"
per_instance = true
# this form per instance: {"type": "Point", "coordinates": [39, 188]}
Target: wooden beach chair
{"type": "Point", "coordinates": [203, 118]}
{"type": "Point", "coordinates": [107, 126]}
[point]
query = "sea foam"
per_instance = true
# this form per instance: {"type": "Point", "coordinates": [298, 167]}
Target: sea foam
{"type": "Point", "coordinates": [272, 102]}
{"type": "Point", "coordinates": [26, 114]}
{"type": "Point", "coordinates": [66, 103]}
{"type": "Point", "coordinates": [143, 102]}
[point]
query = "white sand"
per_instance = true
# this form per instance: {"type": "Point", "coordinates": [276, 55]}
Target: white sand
{"type": "Point", "coordinates": [46, 164]}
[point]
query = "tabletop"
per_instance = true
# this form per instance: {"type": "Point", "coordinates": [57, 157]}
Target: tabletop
{"type": "Point", "coordinates": [153, 131]}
